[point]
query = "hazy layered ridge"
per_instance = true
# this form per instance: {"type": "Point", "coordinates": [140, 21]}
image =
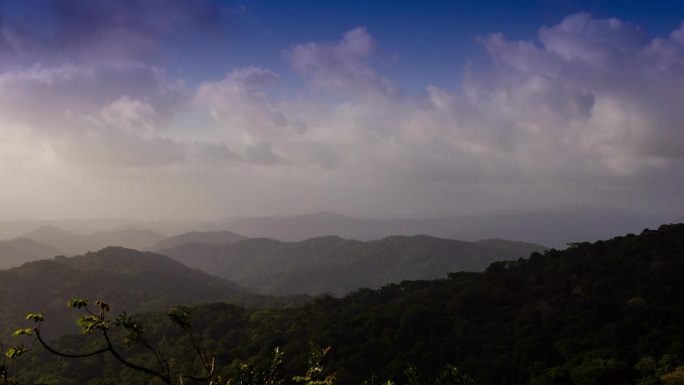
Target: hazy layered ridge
{"type": "Point", "coordinates": [210, 237]}
{"type": "Point", "coordinates": [590, 314]}
{"type": "Point", "coordinates": [128, 279]}
{"type": "Point", "coordinates": [549, 227]}
{"type": "Point", "coordinates": [554, 227]}
{"type": "Point", "coordinates": [333, 264]}
{"type": "Point", "coordinates": [17, 251]}
{"type": "Point", "coordinates": [73, 244]}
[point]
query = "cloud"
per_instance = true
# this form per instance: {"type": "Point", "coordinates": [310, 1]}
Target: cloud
{"type": "Point", "coordinates": [580, 37]}
{"type": "Point", "coordinates": [102, 115]}
{"type": "Point", "coordinates": [589, 106]}
{"type": "Point", "coordinates": [240, 104]}
{"type": "Point", "coordinates": [341, 67]}
{"type": "Point", "coordinates": [589, 100]}
{"type": "Point", "coordinates": [244, 116]}
{"type": "Point", "coordinates": [595, 92]}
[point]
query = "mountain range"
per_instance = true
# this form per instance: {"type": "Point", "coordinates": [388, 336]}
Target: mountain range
{"type": "Point", "coordinates": [210, 237]}
{"type": "Point", "coordinates": [74, 244]}
{"type": "Point", "coordinates": [554, 227]}
{"type": "Point", "coordinates": [134, 280]}
{"type": "Point", "coordinates": [336, 265]}
{"type": "Point", "coordinates": [18, 251]}
{"type": "Point", "coordinates": [607, 312]}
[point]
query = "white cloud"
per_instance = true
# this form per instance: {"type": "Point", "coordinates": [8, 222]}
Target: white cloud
{"type": "Point", "coordinates": [570, 106]}
{"type": "Point", "coordinates": [590, 105]}
{"type": "Point", "coordinates": [104, 116]}
{"type": "Point", "coordinates": [594, 92]}
{"type": "Point", "coordinates": [594, 42]}
{"type": "Point", "coordinates": [342, 66]}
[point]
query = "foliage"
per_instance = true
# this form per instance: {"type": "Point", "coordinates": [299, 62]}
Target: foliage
{"type": "Point", "coordinates": [130, 279]}
{"type": "Point", "coordinates": [97, 321]}
{"type": "Point", "coordinates": [336, 265]}
{"type": "Point", "coordinates": [607, 312]}
{"type": "Point", "coordinates": [314, 375]}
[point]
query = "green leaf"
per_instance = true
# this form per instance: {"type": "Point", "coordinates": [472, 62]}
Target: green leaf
{"type": "Point", "coordinates": [180, 315]}
{"type": "Point", "coordinates": [23, 332]}
{"type": "Point", "coordinates": [78, 303]}
{"type": "Point", "coordinates": [89, 323]}
{"type": "Point", "coordinates": [16, 351]}
{"type": "Point", "coordinates": [135, 330]}
{"type": "Point", "coordinates": [36, 317]}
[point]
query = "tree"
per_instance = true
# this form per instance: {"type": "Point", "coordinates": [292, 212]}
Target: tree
{"type": "Point", "coordinates": [97, 321]}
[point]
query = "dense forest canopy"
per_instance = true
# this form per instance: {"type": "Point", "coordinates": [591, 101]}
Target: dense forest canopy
{"type": "Point", "coordinates": [607, 312]}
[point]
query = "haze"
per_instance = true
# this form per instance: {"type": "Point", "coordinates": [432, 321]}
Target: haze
{"type": "Point", "coordinates": [208, 109]}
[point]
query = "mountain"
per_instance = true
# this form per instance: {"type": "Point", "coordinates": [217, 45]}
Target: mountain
{"type": "Point", "coordinates": [18, 251]}
{"type": "Point", "coordinates": [295, 228]}
{"type": "Point", "coordinates": [31, 246]}
{"type": "Point", "coordinates": [74, 244]}
{"type": "Point", "coordinates": [553, 227]}
{"type": "Point", "coordinates": [557, 228]}
{"type": "Point", "coordinates": [55, 237]}
{"type": "Point", "coordinates": [131, 238]}
{"type": "Point", "coordinates": [607, 312]}
{"type": "Point", "coordinates": [520, 248]}
{"type": "Point", "coordinates": [210, 237]}
{"type": "Point", "coordinates": [11, 256]}
{"type": "Point", "coordinates": [138, 281]}
{"type": "Point", "coordinates": [333, 264]}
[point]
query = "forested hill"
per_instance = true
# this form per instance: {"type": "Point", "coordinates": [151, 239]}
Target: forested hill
{"type": "Point", "coordinates": [336, 265]}
{"type": "Point", "coordinates": [211, 237]}
{"type": "Point", "coordinates": [127, 278]}
{"type": "Point", "coordinates": [603, 313]}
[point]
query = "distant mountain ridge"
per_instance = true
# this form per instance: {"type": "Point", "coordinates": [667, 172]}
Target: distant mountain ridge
{"type": "Point", "coordinates": [595, 313]}
{"type": "Point", "coordinates": [333, 264]}
{"type": "Point", "coordinates": [521, 248]}
{"type": "Point", "coordinates": [210, 237]}
{"type": "Point", "coordinates": [18, 251]}
{"type": "Point", "coordinates": [553, 228]}
{"type": "Point", "coordinates": [74, 244]}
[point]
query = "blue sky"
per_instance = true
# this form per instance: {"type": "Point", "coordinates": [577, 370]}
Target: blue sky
{"type": "Point", "coordinates": [198, 109]}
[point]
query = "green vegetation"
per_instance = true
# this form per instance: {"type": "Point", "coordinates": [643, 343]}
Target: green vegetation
{"type": "Point", "coordinates": [163, 366]}
{"type": "Point", "coordinates": [522, 249]}
{"type": "Point", "coordinates": [336, 265]}
{"type": "Point", "coordinates": [128, 278]}
{"type": "Point", "coordinates": [607, 312]}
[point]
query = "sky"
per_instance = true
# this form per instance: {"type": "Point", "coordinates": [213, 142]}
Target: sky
{"type": "Point", "coordinates": [168, 109]}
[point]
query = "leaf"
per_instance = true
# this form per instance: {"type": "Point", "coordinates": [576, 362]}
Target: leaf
{"type": "Point", "coordinates": [180, 315]}
{"type": "Point", "coordinates": [23, 332]}
{"type": "Point", "coordinates": [77, 303]}
{"type": "Point", "coordinates": [89, 323]}
{"type": "Point", "coordinates": [135, 330]}
{"type": "Point", "coordinates": [16, 351]}
{"type": "Point", "coordinates": [36, 317]}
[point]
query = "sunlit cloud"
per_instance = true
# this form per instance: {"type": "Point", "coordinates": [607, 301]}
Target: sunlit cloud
{"type": "Point", "coordinates": [588, 102]}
